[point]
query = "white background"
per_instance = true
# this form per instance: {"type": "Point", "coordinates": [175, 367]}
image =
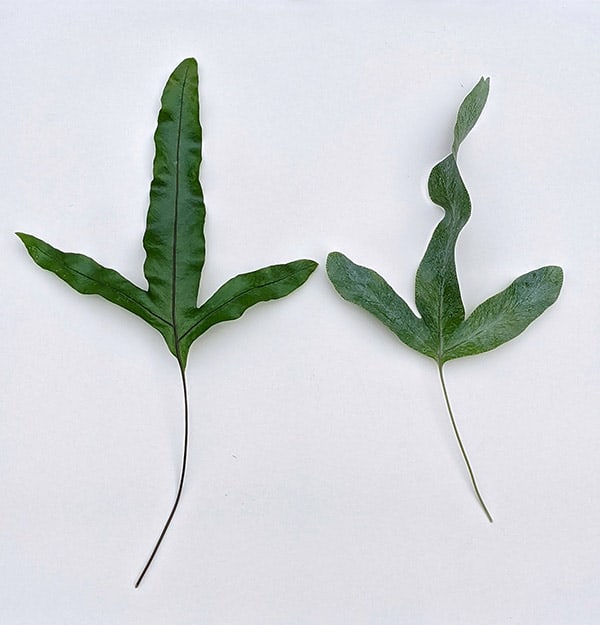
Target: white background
{"type": "Point", "coordinates": [325, 486]}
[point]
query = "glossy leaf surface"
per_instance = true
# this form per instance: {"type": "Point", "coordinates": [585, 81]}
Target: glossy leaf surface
{"type": "Point", "coordinates": [175, 250]}
{"type": "Point", "coordinates": [174, 239]}
{"type": "Point", "coordinates": [88, 277]}
{"type": "Point", "coordinates": [232, 299]}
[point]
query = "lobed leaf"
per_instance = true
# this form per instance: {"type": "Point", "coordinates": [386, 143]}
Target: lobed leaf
{"type": "Point", "coordinates": [232, 299]}
{"type": "Point", "coordinates": [175, 250]}
{"type": "Point", "coordinates": [367, 289]}
{"type": "Point", "coordinates": [505, 315]}
{"type": "Point", "coordinates": [442, 332]}
{"type": "Point", "coordinates": [174, 238]}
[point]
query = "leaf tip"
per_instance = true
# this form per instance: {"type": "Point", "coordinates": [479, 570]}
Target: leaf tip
{"type": "Point", "coordinates": [333, 258]}
{"type": "Point", "coordinates": [190, 60]}
{"type": "Point", "coordinates": [557, 274]}
{"type": "Point", "coordinates": [187, 65]}
{"type": "Point", "coordinates": [306, 265]}
{"type": "Point", "coordinates": [554, 275]}
{"type": "Point", "coordinates": [469, 112]}
{"type": "Point", "coordinates": [25, 238]}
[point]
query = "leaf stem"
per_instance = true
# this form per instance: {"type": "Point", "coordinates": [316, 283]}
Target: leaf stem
{"type": "Point", "coordinates": [181, 478]}
{"type": "Point", "coordinates": [462, 449]}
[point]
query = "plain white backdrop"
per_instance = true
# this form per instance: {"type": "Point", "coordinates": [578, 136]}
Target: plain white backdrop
{"type": "Point", "coordinates": [325, 486]}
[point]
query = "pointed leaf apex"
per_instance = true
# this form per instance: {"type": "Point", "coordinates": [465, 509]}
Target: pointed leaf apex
{"type": "Point", "coordinates": [469, 112]}
{"type": "Point", "coordinates": [190, 63]}
{"type": "Point", "coordinates": [26, 239]}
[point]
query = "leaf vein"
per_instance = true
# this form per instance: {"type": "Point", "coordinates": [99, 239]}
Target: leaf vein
{"type": "Point", "coordinates": [110, 287]}
{"type": "Point", "coordinates": [176, 218]}
{"type": "Point", "coordinates": [237, 295]}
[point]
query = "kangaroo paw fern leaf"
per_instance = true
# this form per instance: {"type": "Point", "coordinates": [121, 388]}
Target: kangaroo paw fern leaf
{"type": "Point", "coordinates": [175, 248]}
{"type": "Point", "coordinates": [442, 332]}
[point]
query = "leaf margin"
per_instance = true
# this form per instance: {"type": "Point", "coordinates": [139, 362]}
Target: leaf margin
{"type": "Point", "coordinates": [410, 329]}
{"type": "Point", "coordinates": [549, 283]}
{"type": "Point", "coordinates": [280, 281]}
{"type": "Point", "coordinates": [74, 268]}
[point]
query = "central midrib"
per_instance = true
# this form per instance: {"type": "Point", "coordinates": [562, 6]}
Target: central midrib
{"type": "Point", "coordinates": [175, 220]}
{"type": "Point", "coordinates": [231, 299]}
{"type": "Point", "coordinates": [450, 246]}
{"type": "Point", "coordinates": [492, 322]}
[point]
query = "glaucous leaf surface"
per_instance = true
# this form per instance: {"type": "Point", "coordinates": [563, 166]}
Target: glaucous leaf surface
{"type": "Point", "coordinates": [367, 289]}
{"type": "Point", "coordinates": [441, 332]}
{"type": "Point", "coordinates": [437, 293]}
{"type": "Point", "coordinates": [469, 112]}
{"type": "Point", "coordinates": [505, 315]}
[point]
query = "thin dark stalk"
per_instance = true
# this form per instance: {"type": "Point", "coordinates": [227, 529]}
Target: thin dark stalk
{"type": "Point", "coordinates": [181, 479]}
{"type": "Point", "coordinates": [462, 449]}
{"type": "Point", "coordinates": [176, 337]}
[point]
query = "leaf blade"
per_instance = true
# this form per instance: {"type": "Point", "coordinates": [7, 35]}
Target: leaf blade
{"type": "Point", "coordinates": [437, 290]}
{"type": "Point", "coordinates": [233, 298]}
{"type": "Point", "coordinates": [367, 289]}
{"type": "Point", "coordinates": [469, 112]}
{"type": "Point", "coordinates": [174, 237]}
{"type": "Point", "coordinates": [88, 277]}
{"type": "Point", "coordinates": [505, 315]}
